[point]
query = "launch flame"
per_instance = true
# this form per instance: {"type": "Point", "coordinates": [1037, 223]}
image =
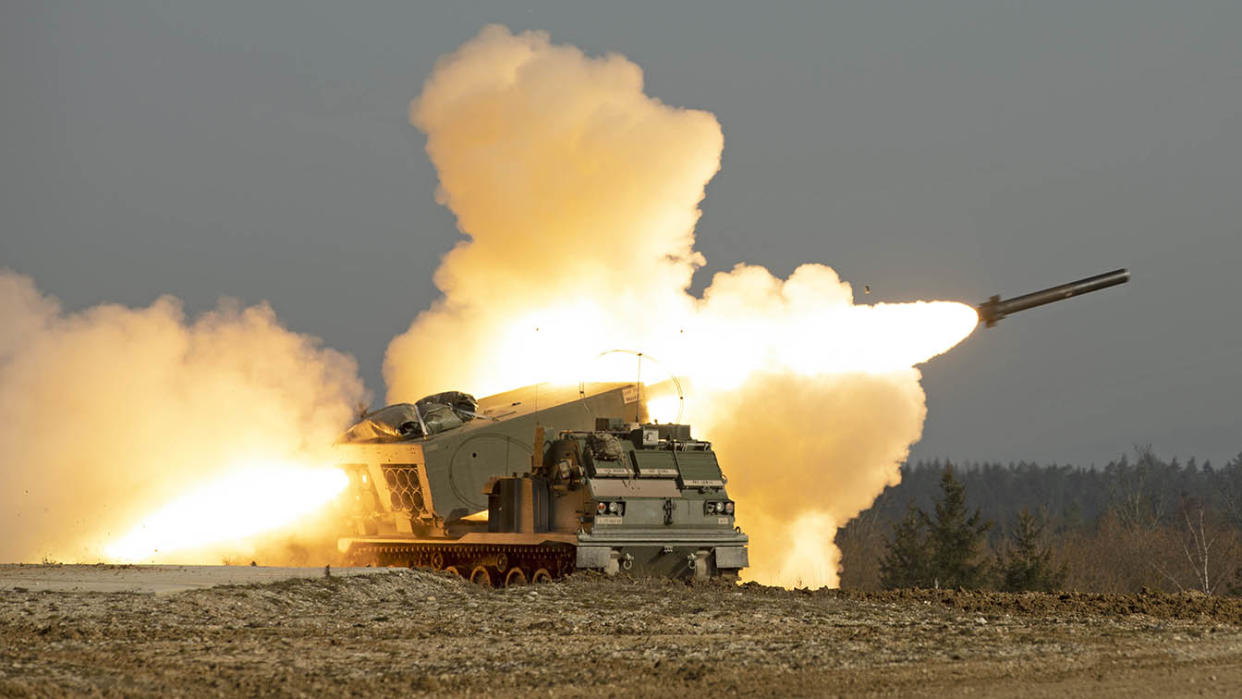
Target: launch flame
{"type": "Point", "coordinates": [254, 499]}
{"type": "Point", "coordinates": [578, 195]}
{"type": "Point", "coordinates": [110, 414]}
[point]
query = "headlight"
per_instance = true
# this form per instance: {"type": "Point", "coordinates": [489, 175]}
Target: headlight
{"type": "Point", "coordinates": [709, 507]}
{"type": "Point", "coordinates": [728, 507]}
{"type": "Point", "coordinates": [614, 508]}
{"type": "Point", "coordinates": [601, 508]}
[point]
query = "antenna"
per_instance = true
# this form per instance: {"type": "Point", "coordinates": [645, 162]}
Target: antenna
{"type": "Point", "coordinates": [536, 451]}
{"type": "Point", "coordinates": [681, 395]}
{"type": "Point", "coordinates": [638, 385]}
{"type": "Point", "coordinates": [536, 384]}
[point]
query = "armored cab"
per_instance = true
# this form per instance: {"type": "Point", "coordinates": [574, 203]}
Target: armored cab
{"type": "Point", "coordinates": [536, 483]}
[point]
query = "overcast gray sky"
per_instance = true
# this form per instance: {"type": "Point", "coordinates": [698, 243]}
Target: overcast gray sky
{"type": "Point", "coordinates": [930, 149]}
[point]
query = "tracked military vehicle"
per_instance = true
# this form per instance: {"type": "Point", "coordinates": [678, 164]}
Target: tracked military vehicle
{"type": "Point", "coordinates": [536, 483]}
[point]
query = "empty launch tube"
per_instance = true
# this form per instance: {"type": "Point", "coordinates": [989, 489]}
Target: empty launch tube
{"type": "Point", "coordinates": [992, 310]}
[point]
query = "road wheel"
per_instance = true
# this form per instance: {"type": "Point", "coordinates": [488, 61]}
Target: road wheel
{"type": "Point", "coordinates": [515, 577]}
{"type": "Point", "coordinates": [541, 576]}
{"type": "Point", "coordinates": [452, 570]}
{"type": "Point", "coordinates": [502, 563]}
{"type": "Point", "coordinates": [480, 576]}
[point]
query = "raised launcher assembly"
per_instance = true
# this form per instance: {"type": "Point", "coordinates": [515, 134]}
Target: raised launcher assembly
{"type": "Point", "coordinates": [992, 310]}
{"type": "Point", "coordinates": [536, 483]}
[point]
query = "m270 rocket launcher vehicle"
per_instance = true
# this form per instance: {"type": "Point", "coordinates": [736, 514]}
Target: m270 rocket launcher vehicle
{"type": "Point", "coordinates": [533, 484]}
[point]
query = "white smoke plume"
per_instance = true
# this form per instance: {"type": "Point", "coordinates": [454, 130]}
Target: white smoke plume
{"type": "Point", "coordinates": [578, 195]}
{"type": "Point", "coordinates": [109, 413]}
{"type": "Point", "coordinates": [806, 454]}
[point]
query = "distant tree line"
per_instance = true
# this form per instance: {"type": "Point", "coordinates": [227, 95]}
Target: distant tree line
{"type": "Point", "coordinates": [1138, 522]}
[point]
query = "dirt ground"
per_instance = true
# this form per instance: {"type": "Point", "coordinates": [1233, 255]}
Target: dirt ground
{"type": "Point", "coordinates": [412, 632]}
{"type": "Point", "coordinates": [156, 579]}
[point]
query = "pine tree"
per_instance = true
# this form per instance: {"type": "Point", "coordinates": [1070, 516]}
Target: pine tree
{"type": "Point", "coordinates": [1027, 563]}
{"type": "Point", "coordinates": [956, 538]}
{"type": "Point", "coordinates": [907, 561]}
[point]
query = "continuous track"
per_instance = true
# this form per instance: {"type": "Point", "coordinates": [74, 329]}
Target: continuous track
{"type": "Point", "coordinates": [489, 565]}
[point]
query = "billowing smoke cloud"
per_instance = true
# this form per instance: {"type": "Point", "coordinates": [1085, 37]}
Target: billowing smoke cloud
{"type": "Point", "coordinates": [807, 454]}
{"type": "Point", "coordinates": [578, 195]}
{"type": "Point", "coordinates": [109, 413]}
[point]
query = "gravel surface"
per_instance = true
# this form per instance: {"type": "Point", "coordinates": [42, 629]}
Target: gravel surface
{"type": "Point", "coordinates": [157, 579]}
{"type": "Point", "coordinates": [410, 632]}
